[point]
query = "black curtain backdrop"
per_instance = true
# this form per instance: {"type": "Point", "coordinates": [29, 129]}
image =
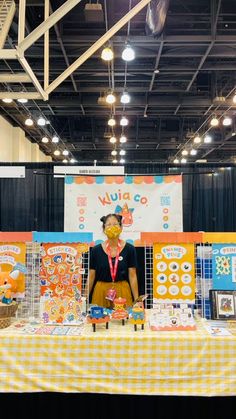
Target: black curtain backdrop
{"type": "Point", "coordinates": [36, 203]}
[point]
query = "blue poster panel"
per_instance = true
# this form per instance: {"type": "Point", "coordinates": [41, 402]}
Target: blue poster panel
{"type": "Point", "coordinates": [224, 266]}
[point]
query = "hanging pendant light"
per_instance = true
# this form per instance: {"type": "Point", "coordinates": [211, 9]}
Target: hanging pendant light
{"type": "Point", "coordinates": [124, 121]}
{"type": "Point", "coordinates": [125, 98]}
{"type": "Point", "coordinates": [29, 122]}
{"type": "Point", "coordinates": [128, 53]}
{"type": "Point", "coordinates": [214, 122]}
{"type": "Point", "coordinates": [110, 98]}
{"type": "Point", "coordinates": [227, 121]}
{"type": "Point", "coordinates": [111, 122]}
{"type": "Point", "coordinates": [107, 54]}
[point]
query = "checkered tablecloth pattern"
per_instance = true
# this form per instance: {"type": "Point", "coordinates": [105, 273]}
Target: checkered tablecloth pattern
{"type": "Point", "coordinates": [119, 361]}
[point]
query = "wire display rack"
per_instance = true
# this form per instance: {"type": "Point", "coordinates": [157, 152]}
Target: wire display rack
{"type": "Point", "coordinates": [29, 306]}
{"type": "Point", "coordinates": [203, 278]}
{"type": "Point", "coordinates": [148, 256]}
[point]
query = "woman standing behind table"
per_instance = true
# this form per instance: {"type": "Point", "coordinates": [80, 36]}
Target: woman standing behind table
{"type": "Point", "coordinates": [113, 266]}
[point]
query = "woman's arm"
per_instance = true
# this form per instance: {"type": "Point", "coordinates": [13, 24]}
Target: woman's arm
{"type": "Point", "coordinates": [133, 282]}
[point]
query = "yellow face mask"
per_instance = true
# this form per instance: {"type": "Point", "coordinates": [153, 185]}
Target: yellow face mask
{"type": "Point", "coordinates": [113, 232]}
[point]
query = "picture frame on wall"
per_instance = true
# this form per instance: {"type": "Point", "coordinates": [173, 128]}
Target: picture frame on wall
{"type": "Point", "coordinates": [223, 304]}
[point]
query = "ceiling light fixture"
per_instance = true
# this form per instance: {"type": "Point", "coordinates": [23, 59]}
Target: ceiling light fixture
{"type": "Point", "coordinates": [124, 121]}
{"type": "Point", "coordinates": [193, 152]}
{"type": "Point", "coordinates": [197, 139]}
{"type": "Point", "coordinates": [7, 100]}
{"type": "Point", "coordinates": [114, 153]}
{"type": "Point", "coordinates": [29, 122]}
{"type": "Point", "coordinates": [128, 53]}
{"type": "Point", "coordinates": [227, 121]}
{"type": "Point", "coordinates": [64, 161]}
{"type": "Point", "coordinates": [122, 152]}
{"type": "Point", "coordinates": [183, 161]}
{"type": "Point", "coordinates": [107, 54]}
{"type": "Point", "coordinates": [125, 98]}
{"type": "Point", "coordinates": [22, 100]}
{"type": "Point", "coordinates": [72, 160]}
{"type": "Point", "coordinates": [207, 139]}
{"type": "Point", "coordinates": [113, 140]}
{"type": "Point", "coordinates": [57, 153]}
{"type": "Point", "coordinates": [122, 161]}
{"type": "Point", "coordinates": [123, 139]}
{"type": "Point", "coordinates": [55, 139]}
{"type": "Point", "coordinates": [111, 122]}
{"type": "Point", "coordinates": [176, 161]}
{"type": "Point", "coordinates": [45, 140]}
{"type": "Point", "coordinates": [114, 161]}
{"type": "Point", "coordinates": [41, 121]}
{"type": "Point", "coordinates": [214, 122]}
{"type": "Point", "coordinates": [110, 98]}
{"type": "Point", "coordinates": [65, 152]}
{"type": "Point", "coordinates": [184, 153]}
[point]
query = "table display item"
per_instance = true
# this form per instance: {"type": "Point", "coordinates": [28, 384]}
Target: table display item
{"type": "Point", "coordinates": [7, 311]}
{"type": "Point", "coordinates": [8, 285]}
{"type": "Point", "coordinates": [98, 315]}
{"type": "Point", "coordinates": [119, 312]}
{"type": "Point", "coordinates": [171, 319]}
{"type": "Point", "coordinates": [223, 304]}
{"type": "Point", "coordinates": [137, 313]}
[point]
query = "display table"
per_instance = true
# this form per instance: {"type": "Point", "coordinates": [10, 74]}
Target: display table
{"type": "Point", "coordinates": [119, 361]}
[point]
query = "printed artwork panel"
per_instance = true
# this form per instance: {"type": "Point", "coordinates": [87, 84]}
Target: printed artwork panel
{"type": "Point", "coordinates": [173, 273]}
{"type": "Point", "coordinates": [224, 266]}
{"type": "Point", "coordinates": [146, 203]}
{"type": "Point", "coordinates": [61, 283]}
{"type": "Point", "coordinates": [13, 268]}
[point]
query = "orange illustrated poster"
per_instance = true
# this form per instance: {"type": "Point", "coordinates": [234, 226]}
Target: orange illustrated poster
{"type": "Point", "coordinates": [173, 273]}
{"type": "Point", "coordinates": [61, 282]}
{"type": "Point", "coordinates": [13, 259]}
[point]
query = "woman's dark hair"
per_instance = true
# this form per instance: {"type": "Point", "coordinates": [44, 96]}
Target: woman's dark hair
{"type": "Point", "coordinates": [105, 218]}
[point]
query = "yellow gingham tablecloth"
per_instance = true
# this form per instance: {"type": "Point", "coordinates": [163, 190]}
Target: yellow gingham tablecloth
{"type": "Point", "coordinates": [119, 361]}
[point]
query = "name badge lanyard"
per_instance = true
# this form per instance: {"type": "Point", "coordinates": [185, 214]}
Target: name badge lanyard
{"type": "Point", "coordinates": [113, 269]}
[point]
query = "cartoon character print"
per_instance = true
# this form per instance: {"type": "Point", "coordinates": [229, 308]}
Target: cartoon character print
{"type": "Point", "coordinates": [58, 259]}
{"type": "Point", "coordinates": [70, 260]}
{"type": "Point", "coordinates": [8, 285]}
{"type": "Point", "coordinates": [127, 214]}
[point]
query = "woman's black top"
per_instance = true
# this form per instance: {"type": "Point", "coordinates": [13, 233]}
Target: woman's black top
{"type": "Point", "coordinates": [99, 262]}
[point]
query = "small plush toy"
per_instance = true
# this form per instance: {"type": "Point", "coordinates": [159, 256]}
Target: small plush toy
{"type": "Point", "coordinates": [8, 284]}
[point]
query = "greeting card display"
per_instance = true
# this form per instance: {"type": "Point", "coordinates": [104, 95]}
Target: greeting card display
{"type": "Point", "coordinates": [61, 282]}
{"type": "Point", "coordinates": [167, 318]}
{"type": "Point", "coordinates": [173, 273]}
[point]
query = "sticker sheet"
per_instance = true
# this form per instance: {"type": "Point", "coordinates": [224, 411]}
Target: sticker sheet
{"type": "Point", "coordinates": [61, 283]}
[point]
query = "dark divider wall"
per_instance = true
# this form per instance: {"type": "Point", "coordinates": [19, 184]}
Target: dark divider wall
{"type": "Point", "coordinates": [37, 202]}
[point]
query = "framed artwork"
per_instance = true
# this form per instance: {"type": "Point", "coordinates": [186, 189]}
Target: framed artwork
{"type": "Point", "coordinates": [223, 304]}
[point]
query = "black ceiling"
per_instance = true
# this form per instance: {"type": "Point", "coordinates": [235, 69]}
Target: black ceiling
{"type": "Point", "coordinates": [196, 59]}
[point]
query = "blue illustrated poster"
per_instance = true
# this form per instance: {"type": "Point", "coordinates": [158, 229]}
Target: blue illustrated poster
{"type": "Point", "coordinates": [224, 266]}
